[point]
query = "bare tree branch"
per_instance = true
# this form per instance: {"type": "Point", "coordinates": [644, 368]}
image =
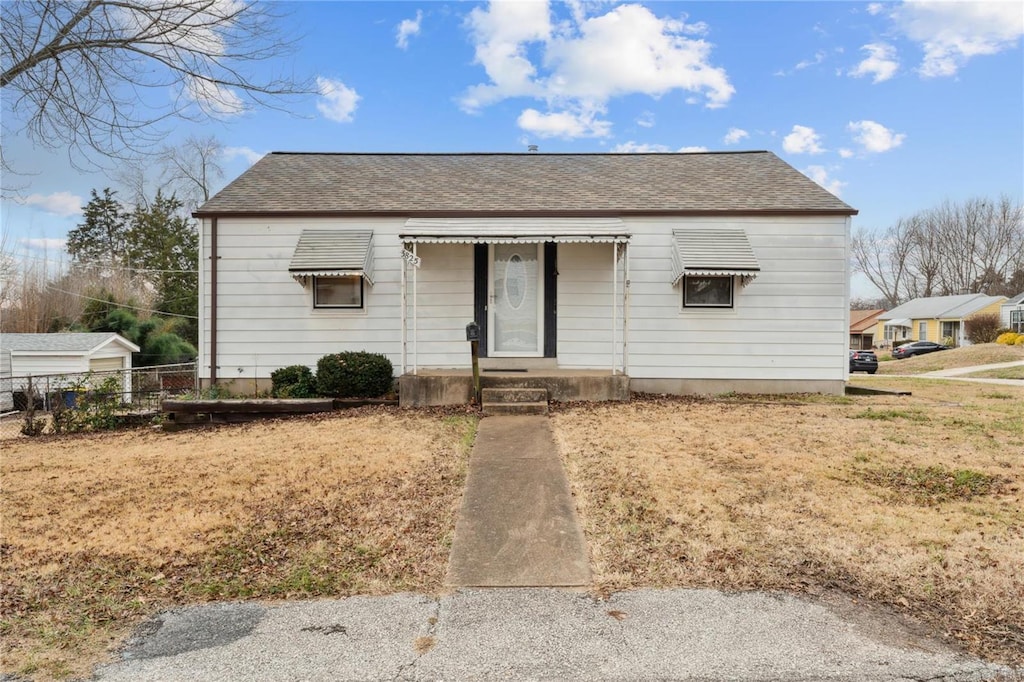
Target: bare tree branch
{"type": "Point", "coordinates": [94, 75]}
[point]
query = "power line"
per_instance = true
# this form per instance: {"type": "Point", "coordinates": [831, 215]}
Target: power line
{"type": "Point", "coordinates": [62, 261]}
{"type": "Point", "coordinates": [121, 305]}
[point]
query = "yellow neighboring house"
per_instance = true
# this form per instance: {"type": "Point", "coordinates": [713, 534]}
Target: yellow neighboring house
{"type": "Point", "coordinates": [937, 318]}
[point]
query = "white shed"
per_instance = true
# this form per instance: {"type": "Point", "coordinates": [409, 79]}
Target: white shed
{"type": "Point", "coordinates": [54, 355]}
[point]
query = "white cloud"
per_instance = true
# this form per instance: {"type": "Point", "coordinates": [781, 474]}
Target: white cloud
{"type": "Point", "coordinates": [642, 148]}
{"type": "Point", "coordinates": [819, 57]}
{"type": "Point", "coordinates": [846, 153]}
{"type": "Point", "coordinates": [581, 63]}
{"type": "Point", "coordinates": [875, 8]}
{"type": "Point", "coordinates": [646, 120]}
{"type": "Point", "coordinates": [639, 148]}
{"type": "Point", "coordinates": [564, 124]}
{"type": "Point", "coordinates": [735, 135]}
{"type": "Point", "coordinates": [875, 138]}
{"type": "Point", "coordinates": [408, 28]}
{"type": "Point", "coordinates": [214, 98]}
{"type": "Point", "coordinates": [802, 140]}
{"type": "Point", "coordinates": [251, 156]}
{"type": "Point", "coordinates": [64, 204]}
{"type": "Point", "coordinates": [820, 175]}
{"type": "Point", "coordinates": [951, 33]}
{"type": "Point", "coordinates": [44, 243]}
{"type": "Point", "coordinates": [881, 62]}
{"type": "Point", "coordinates": [338, 102]}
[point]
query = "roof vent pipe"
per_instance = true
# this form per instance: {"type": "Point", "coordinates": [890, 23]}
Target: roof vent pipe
{"type": "Point", "coordinates": [532, 148]}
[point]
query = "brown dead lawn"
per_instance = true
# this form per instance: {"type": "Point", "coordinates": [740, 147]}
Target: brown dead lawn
{"type": "Point", "coordinates": [967, 356]}
{"type": "Point", "coordinates": [914, 502]}
{"type": "Point", "coordinates": [100, 531]}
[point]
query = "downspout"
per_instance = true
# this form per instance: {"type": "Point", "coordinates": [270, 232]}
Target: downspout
{"type": "Point", "coordinates": [213, 300]}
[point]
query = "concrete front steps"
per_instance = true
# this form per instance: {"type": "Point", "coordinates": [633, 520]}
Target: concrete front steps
{"type": "Point", "coordinates": [512, 401]}
{"type": "Point", "coordinates": [455, 386]}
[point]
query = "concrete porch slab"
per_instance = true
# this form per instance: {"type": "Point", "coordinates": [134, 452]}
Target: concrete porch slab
{"type": "Point", "coordinates": [455, 386]}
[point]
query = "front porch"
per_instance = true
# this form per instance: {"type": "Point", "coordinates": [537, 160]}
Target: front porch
{"type": "Point", "coordinates": [455, 386]}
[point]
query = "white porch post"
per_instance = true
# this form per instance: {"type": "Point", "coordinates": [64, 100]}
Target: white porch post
{"type": "Point", "coordinates": [615, 299]}
{"type": "Point", "coordinates": [415, 312]}
{"type": "Point", "coordinates": [404, 309]}
{"type": "Point", "coordinates": [625, 308]}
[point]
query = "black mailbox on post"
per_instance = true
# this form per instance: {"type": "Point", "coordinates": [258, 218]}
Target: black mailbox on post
{"type": "Point", "coordinates": [472, 331]}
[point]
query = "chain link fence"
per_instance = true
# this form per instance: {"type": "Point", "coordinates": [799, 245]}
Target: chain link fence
{"type": "Point", "coordinates": [128, 394]}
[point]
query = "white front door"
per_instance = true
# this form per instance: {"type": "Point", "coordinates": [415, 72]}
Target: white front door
{"type": "Point", "coordinates": [515, 316]}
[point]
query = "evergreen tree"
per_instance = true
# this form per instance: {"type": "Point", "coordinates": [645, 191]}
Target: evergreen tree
{"type": "Point", "coordinates": [102, 238]}
{"type": "Point", "coordinates": [164, 243]}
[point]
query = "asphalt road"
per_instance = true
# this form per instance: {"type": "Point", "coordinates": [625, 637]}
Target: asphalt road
{"type": "Point", "coordinates": [532, 633]}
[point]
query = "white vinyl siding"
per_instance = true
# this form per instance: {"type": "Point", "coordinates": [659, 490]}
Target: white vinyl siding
{"type": "Point", "coordinates": [790, 323]}
{"type": "Point", "coordinates": [585, 306]}
{"type": "Point", "coordinates": [266, 319]}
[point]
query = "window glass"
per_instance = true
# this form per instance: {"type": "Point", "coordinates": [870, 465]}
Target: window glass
{"type": "Point", "coordinates": [338, 292]}
{"type": "Point", "coordinates": [707, 292]}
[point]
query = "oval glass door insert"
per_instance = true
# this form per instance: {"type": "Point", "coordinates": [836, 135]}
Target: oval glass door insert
{"type": "Point", "coordinates": [515, 282]}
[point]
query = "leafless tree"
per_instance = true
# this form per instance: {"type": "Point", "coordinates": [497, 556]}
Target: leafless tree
{"type": "Point", "coordinates": [975, 246]}
{"type": "Point", "coordinates": [192, 169]}
{"type": "Point", "coordinates": [884, 259]}
{"type": "Point", "coordinates": [91, 75]}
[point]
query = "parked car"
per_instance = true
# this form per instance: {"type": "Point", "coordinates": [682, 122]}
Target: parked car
{"type": "Point", "coordinates": [917, 348]}
{"type": "Point", "coordinates": [863, 361]}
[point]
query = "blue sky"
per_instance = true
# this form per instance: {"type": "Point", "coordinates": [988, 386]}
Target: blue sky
{"type": "Point", "coordinates": [892, 106]}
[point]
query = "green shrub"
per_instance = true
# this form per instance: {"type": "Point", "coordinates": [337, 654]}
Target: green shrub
{"type": "Point", "coordinates": [354, 375]}
{"type": "Point", "coordinates": [294, 381]}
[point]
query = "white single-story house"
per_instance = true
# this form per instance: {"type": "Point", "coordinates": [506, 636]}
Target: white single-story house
{"type": "Point", "coordinates": [675, 273]}
{"type": "Point", "coordinates": [61, 355]}
{"type": "Point", "coordinates": [1011, 313]}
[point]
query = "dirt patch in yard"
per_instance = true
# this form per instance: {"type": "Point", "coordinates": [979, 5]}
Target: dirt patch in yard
{"type": "Point", "coordinates": [102, 530]}
{"type": "Point", "coordinates": [914, 502]}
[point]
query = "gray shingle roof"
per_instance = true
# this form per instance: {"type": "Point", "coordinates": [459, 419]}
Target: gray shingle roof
{"type": "Point", "coordinates": [57, 343]}
{"type": "Point", "coordinates": [941, 307]}
{"type": "Point", "coordinates": [1019, 298]}
{"type": "Point", "coordinates": [509, 184]}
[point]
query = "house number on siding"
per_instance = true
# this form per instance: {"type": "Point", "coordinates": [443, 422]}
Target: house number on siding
{"type": "Point", "coordinates": [411, 259]}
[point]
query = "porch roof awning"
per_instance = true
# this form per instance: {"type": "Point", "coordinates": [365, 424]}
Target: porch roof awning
{"type": "Point", "coordinates": [333, 253]}
{"type": "Point", "coordinates": [513, 230]}
{"type": "Point", "coordinates": [712, 252]}
{"type": "Point", "coordinates": [902, 322]}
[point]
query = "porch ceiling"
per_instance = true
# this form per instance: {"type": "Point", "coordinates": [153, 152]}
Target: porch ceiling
{"type": "Point", "coordinates": [513, 230]}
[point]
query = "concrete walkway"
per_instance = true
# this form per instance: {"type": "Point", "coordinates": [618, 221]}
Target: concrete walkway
{"type": "Point", "coordinates": [541, 634]}
{"type": "Point", "coordinates": [960, 371]}
{"type": "Point", "coordinates": [517, 526]}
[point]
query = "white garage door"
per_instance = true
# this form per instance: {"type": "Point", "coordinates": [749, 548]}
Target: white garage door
{"type": "Point", "coordinates": [105, 364]}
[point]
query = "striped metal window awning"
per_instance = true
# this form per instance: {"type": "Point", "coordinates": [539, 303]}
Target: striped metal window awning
{"type": "Point", "coordinates": [513, 230]}
{"type": "Point", "coordinates": [712, 252]}
{"type": "Point", "coordinates": [333, 253]}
